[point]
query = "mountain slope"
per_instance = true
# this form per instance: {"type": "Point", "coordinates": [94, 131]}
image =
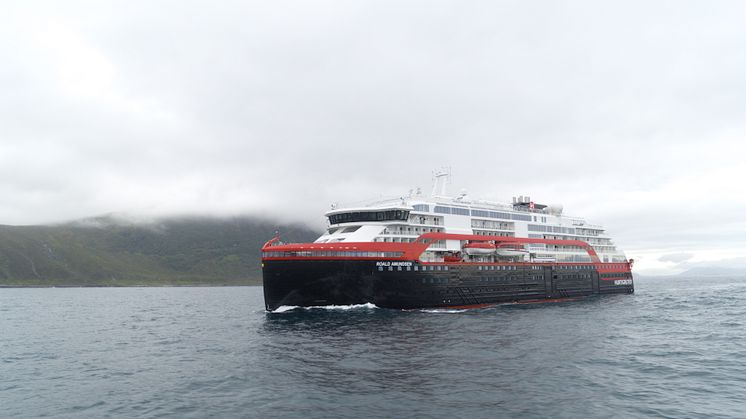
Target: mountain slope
{"type": "Point", "coordinates": [104, 251]}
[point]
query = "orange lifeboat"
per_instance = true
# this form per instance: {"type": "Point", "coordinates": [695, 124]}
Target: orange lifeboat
{"type": "Point", "coordinates": [450, 257]}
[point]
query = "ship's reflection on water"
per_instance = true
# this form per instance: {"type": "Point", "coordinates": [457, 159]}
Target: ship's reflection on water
{"type": "Point", "coordinates": [356, 352]}
{"type": "Point", "coordinates": [628, 355]}
{"type": "Point", "coordinates": [414, 353]}
{"type": "Point", "coordinates": [673, 349]}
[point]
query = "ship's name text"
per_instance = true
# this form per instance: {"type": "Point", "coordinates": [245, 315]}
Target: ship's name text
{"type": "Point", "coordinates": [393, 263]}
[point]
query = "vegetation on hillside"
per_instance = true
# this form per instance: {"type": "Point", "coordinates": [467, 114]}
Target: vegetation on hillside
{"type": "Point", "coordinates": [109, 252]}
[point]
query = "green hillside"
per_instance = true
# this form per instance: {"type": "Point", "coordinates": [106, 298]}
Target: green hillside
{"type": "Point", "coordinates": [106, 252]}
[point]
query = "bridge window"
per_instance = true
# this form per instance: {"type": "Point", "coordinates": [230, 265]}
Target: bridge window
{"type": "Point", "coordinates": [352, 217]}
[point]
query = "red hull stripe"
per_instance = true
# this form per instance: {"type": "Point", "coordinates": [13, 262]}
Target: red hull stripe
{"type": "Point", "coordinates": [470, 306]}
{"type": "Point", "coordinates": [412, 251]}
{"type": "Point", "coordinates": [488, 305]}
{"type": "Point", "coordinates": [548, 300]}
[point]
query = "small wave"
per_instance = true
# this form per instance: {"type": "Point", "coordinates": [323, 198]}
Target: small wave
{"type": "Point", "coordinates": [347, 307]}
{"type": "Point", "coordinates": [444, 310]}
{"type": "Point", "coordinates": [283, 309]}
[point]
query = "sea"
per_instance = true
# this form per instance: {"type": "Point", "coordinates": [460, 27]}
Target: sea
{"type": "Point", "coordinates": [675, 348]}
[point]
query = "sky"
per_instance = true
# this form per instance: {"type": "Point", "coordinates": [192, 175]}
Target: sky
{"type": "Point", "coordinates": [630, 114]}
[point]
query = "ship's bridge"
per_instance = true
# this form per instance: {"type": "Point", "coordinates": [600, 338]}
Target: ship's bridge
{"type": "Point", "coordinates": [364, 224]}
{"type": "Point", "coordinates": [357, 215]}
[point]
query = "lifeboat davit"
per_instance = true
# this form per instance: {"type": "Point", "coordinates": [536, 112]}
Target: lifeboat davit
{"type": "Point", "coordinates": [479, 249]}
{"type": "Point", "coordinates": [511, 250]}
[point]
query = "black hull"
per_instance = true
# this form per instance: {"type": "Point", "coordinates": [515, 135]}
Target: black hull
{"type": "Point", "coordinates": [407, 285]}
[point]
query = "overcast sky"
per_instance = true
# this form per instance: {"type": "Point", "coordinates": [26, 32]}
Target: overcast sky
{"type": "Point", "coordinates": [632, 114]}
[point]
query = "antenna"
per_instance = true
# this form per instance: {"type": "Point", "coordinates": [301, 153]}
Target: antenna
{"type": "Point", "coordinates": [441, 178]}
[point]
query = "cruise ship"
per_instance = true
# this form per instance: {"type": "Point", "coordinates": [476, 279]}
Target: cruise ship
{"type": "Point", "coordinates": [419, 251]}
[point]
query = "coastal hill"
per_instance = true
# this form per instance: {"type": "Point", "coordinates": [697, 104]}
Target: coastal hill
{"type": "Point", "coordinates": [106, 251]}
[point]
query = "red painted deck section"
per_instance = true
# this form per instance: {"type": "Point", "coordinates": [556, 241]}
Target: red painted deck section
{"type": "Point", "coordinates": [413, 251]}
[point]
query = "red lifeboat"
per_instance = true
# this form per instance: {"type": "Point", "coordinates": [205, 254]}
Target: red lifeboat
{"type": "Point", "coordinates": [451, 257]}
{"type": "Point", "coordinates": [479, 248]}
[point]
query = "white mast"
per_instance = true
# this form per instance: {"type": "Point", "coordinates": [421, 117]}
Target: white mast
{"type": "Point", "coordinates": [441, 178]}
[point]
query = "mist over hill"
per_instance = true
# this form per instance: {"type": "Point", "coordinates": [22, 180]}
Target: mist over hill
{"type": "Point", "coordinates": [108, 251]}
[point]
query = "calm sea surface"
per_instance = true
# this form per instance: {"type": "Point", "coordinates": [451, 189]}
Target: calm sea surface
{"type": "Point", "coordinates": [676, 348]}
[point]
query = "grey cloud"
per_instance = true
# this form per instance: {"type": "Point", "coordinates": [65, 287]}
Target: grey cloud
{"type": "Point", "coordinates": [281, 108]}
{"type": "Point", "coordinates": [676, 257]}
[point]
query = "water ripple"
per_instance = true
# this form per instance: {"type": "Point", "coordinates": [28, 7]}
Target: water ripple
{"type": "Point", "coordinates": [673, 349]}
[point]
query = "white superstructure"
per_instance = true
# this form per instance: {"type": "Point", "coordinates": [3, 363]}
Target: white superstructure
{"type": "Point", "coordinates": [402, 220]}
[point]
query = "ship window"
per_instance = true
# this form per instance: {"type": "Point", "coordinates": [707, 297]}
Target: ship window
{"type": "Point", "coordinates": [442, 210]}
{"type": "Point", "coordinates": [351, 217]}
{"type": "Point", "coordinates": [351, 229]}
{"type": "Point", "coordinates": [503, 215]}
{"type": "Point", "coordinates": [460, 211]}
{"type": "Point", "coordinates": [421, 207]}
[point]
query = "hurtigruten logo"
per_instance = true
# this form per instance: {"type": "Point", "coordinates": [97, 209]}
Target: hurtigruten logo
{"type": "Point", "coordinates": [393, 263]}
{"type": "Point", "coordinates": [623, 282]}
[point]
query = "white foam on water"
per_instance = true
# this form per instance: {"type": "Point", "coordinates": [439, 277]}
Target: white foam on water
{"type": "Point", "coordinates": [283, 309]}
{"type": "Point", "coordinates": [444, 310]}
{"type": "Point", "coordinates": [347, 307]}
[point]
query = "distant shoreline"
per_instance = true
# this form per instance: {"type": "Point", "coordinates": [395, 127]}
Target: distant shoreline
{"type": "Point", "coordinates": [170, 252]}
{"type": "Point", "coordinates": [133, 284]}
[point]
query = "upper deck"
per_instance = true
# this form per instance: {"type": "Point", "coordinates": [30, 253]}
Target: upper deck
{"type": "Point", "coordinates": [403, 219]}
